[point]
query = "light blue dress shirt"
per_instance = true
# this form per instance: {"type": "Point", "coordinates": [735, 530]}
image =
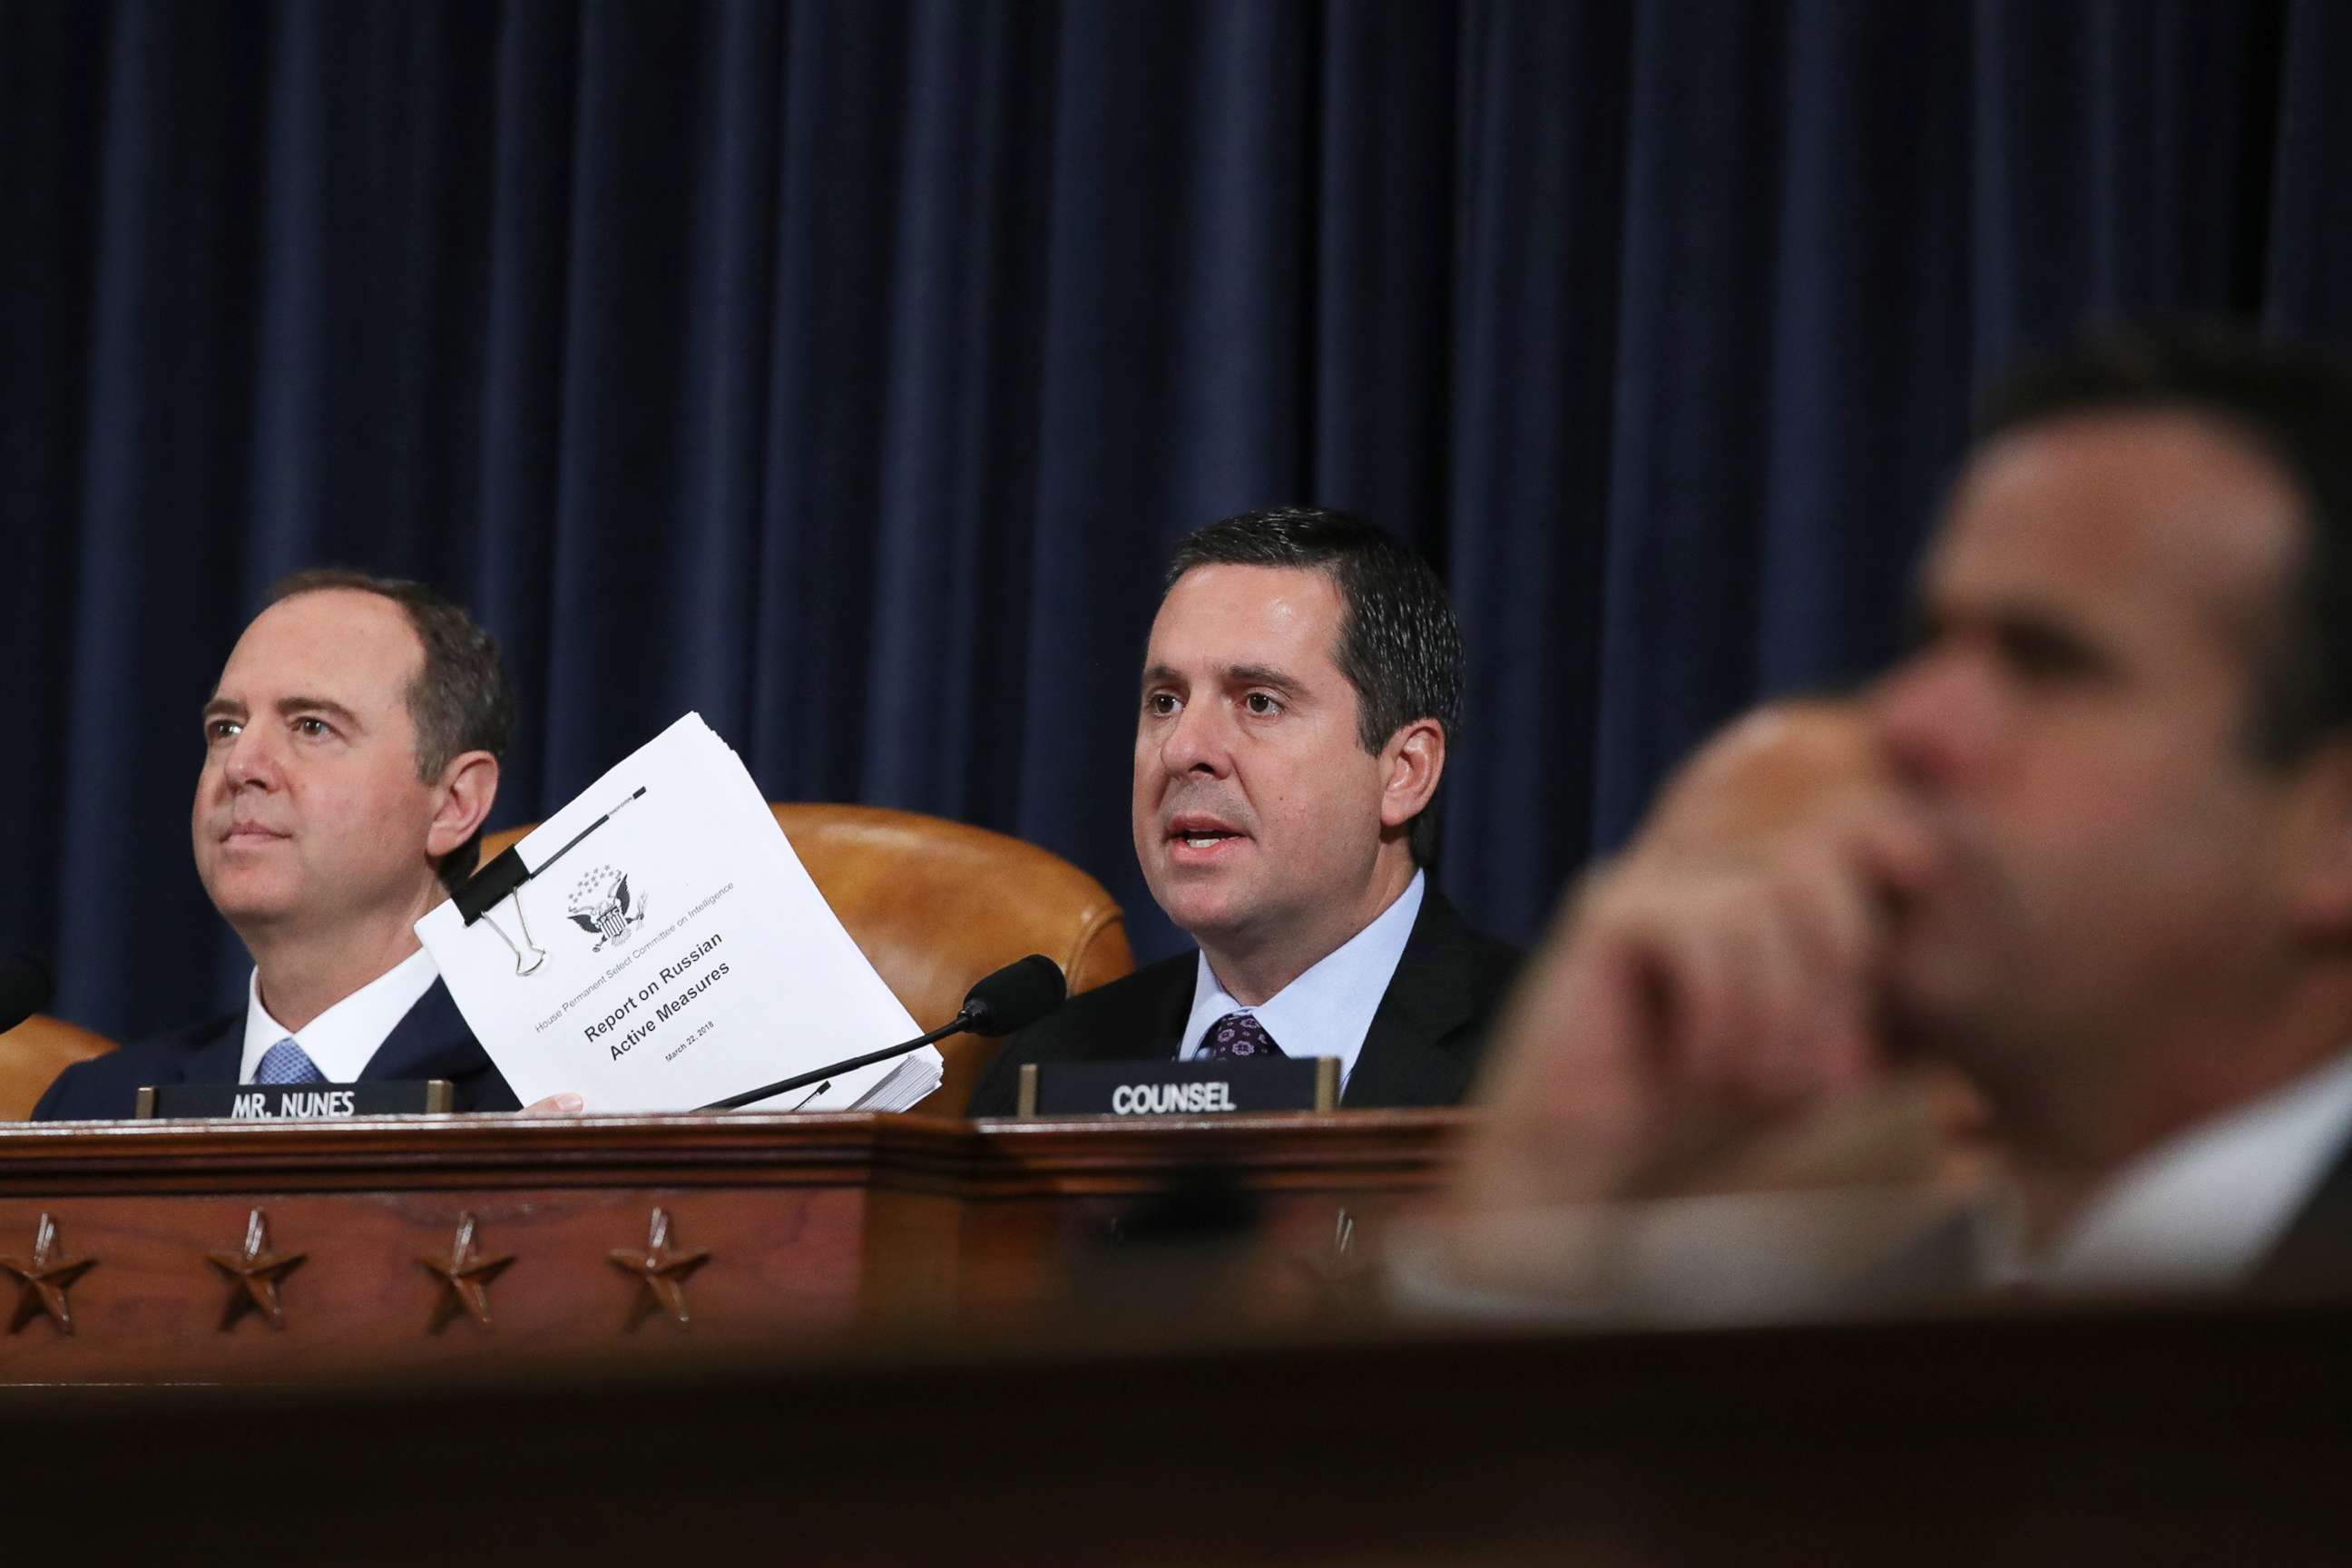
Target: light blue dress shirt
{"type": "Point", "coordinates": [1327, 1011]}
{"type": "Point", "coordinates": [344, 1038]}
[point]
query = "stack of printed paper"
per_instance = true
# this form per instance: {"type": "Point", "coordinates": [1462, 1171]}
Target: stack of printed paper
{"type": "Point", "coordinates": [669, 950]}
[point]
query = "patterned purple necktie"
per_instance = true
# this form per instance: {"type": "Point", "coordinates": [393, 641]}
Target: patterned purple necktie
{"type": "Point", "coordinates": [1238, 1034]}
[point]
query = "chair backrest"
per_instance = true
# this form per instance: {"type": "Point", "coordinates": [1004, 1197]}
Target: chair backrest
{"type": "Point", "coordinates": [33, 1054]}
{"type": "Point", "coordinates": [934, 905]}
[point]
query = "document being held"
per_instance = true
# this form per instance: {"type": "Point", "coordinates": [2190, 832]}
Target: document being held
{"type": "Point", "coordinates": [664, 948]}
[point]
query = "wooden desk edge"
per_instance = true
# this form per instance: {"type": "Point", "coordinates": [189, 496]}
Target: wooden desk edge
{"type": "Point", "coordinates": [887, 1149]}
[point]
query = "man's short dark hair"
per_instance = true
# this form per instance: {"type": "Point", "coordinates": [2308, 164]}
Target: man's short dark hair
{"type": "Point", "coordinates": [1399, 646]}
{"type": "Point", "coordinates": [2293, 408]}
{"type": "Point", "coordinates": [460, 700]}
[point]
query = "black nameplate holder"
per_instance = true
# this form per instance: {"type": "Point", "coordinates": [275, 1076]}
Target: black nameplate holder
{"type": "Point", "coordinates": [297, 1102]}
{"type": "Point", "coordinates": [1196, 1088]}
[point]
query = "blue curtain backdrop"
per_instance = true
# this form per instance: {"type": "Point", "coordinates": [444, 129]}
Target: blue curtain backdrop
{"type": "Point", "coordinates": [843, 370]}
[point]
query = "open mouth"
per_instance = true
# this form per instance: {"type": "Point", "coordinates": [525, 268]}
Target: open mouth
{"type": "Point", "coordinates": [1196, 836]}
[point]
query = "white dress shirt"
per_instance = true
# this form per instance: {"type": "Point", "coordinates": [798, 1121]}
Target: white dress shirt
{"type": "Point", "coordinates": [342, 1039]}
{"type": "Point", "coordinates": [1327, 1011]}
{"type": "Point", "coordinates": [2200, 1212]}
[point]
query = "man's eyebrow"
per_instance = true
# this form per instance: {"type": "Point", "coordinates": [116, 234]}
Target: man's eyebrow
{"type": "Point", "coordinates": [221, 707]}
{"type": "Point", "coordinates": [2034, 631]}
{"type": "Point", "coordinates": [2027, 629]}
{"type": "Point", "coordinates": [1230, 675]}
{"type": "Point", "coordinates": [289, 706]}
{"type": "Point", "coordinates": [1261, 675]}
{"type": "Point", "coordinates": [1988, 613]}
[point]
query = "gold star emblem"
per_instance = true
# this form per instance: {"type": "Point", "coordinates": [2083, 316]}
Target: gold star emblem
{"type": "Point", "coordinates": [257, 1272]}
{"type": "Point", "coordinates": [43, 1279]}
{"type": "Point", "coordinates": [661, 1273]}
{"type": "Point", "coordinates": [465, 1276]}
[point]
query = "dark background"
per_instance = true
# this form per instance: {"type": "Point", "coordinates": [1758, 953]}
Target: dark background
{"type": "Point", "coordinates": [844, 370]}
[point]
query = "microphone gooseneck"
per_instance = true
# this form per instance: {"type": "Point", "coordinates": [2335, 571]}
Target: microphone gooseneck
{"type": "Point", "coordinates": [1014, 997]}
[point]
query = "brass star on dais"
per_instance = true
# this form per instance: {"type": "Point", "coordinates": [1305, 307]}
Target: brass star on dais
{"type": "Point", "coordinates": [661, 1272]}
{"type": "Point", "coordinates": [257, 1272]}
{"type": "Point", "coordinates": [43, 1279]}
{"type": "Point", "coordinates": [465, 1277]}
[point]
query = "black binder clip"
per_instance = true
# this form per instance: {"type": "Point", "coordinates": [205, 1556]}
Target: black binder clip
{"type": "Point", "coordinates": [503, 878]}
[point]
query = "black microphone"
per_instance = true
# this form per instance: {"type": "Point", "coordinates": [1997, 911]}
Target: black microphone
{"type": "Point", "coordinates": [25, 989]}
{"type": "Point", "coordinates": [1014, 997]}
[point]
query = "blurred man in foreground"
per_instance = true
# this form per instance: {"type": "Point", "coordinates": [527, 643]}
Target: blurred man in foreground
{"type": "Point", "coordinates": [352, 752]}
{"type": "Point", "coordinates": [2090, 845]}
{"type": "Point", "coordinates": [1302, 682]}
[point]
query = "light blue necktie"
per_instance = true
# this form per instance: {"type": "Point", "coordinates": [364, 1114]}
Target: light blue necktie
{"type": "Point", "coordinates": [287, 1062]}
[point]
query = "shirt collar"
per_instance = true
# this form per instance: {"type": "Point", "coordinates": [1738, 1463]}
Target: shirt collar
{"type": "Point", "coordinates": [2200, 1211]}
{"type": "Point", "coordinates": [1327, 1011]}
{"type": "Point", "coordinates": [342, 1039]}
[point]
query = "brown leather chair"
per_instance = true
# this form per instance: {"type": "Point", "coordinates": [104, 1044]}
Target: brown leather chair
{"type": "Point", "coordinates": [33, 1054]}
{"type": "Point", "coordinates": [934, 905]}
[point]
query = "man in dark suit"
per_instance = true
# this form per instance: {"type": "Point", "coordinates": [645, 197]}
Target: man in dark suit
{"type": "Point", "coordinates": [1301, 684]}
{"type": "Point", "coordinates": [352, 752]}
{"type": "Point", "coordinates": [2089, 846]}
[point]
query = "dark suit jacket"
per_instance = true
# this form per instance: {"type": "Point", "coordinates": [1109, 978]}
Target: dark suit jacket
{"type": "Point", "coordinates": [431, 1041]}
{"type": "Point", "coordinates": [2314, 1255]}
{"type": "Point", "coordinates": [1422, 1044]}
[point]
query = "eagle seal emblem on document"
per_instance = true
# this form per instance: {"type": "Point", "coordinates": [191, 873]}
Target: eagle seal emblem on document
{"type": "Point", "coordinates": [601, 905]}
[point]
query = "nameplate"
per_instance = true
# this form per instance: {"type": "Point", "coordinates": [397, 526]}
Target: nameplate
{"type": "Point", "coordinates": [297, 1102]}
{"type": "Point", "coordinates": [1179, 1089]}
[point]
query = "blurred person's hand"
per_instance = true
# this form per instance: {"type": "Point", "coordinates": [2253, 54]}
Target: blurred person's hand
{"type": "Point", "coordinates": [1706, 1012]}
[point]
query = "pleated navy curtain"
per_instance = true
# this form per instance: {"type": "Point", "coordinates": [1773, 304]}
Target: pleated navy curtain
{"type": "Point", "coordinates": [843, 370]}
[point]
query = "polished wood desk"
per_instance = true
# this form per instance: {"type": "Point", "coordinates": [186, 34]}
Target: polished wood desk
{"type": "Point", "coordinates": [2202, 1435]}
{"type": "Point", "coordinates": [892, 1355]}
{"type": "Point", "coordinates": [769, 1227]}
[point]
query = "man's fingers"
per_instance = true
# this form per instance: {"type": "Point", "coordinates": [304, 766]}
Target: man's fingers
{"type": "Point", "coordinates": [1892, 851]}
{"type": "Point", "coordinates": [1843, 925]}
{"type": "Point", "coordinates": [1682, 998]}
{"type": "Point", "coordinates": [563, 1104]}
{"type": "Point", "coordinates": [1832, 910]}
{"type": "Point", "coordinates": [1717, 977]}
{"type": "Point", "coordinates": [1694, 977]}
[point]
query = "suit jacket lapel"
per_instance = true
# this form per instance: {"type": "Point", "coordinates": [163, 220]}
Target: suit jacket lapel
{"type": "Point", "coordinates": [430, 1041]}
{"type": "Point", "coordinates": [1173, 1009]}
{"type": "Point", "coordinates": [2315, 1254]}
{"type": "Point", "coordinates": [216, 1057]}
{"type": "Point", "coordinates": [1429, 998]}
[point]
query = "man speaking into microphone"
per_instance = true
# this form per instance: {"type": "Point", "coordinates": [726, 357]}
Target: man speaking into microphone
{"type": "Point", "coordinates": [1301, 685]}
{"type": "Point", "coordinates": [351, 753]}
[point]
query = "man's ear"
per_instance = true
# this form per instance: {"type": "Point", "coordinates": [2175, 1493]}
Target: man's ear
{"type": "Point", "coordinates": [1412, 762]}
{"type": "Point", "coordinates": [467, 786]}
{"type": "Point", "coordinates": [2316, 857]}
